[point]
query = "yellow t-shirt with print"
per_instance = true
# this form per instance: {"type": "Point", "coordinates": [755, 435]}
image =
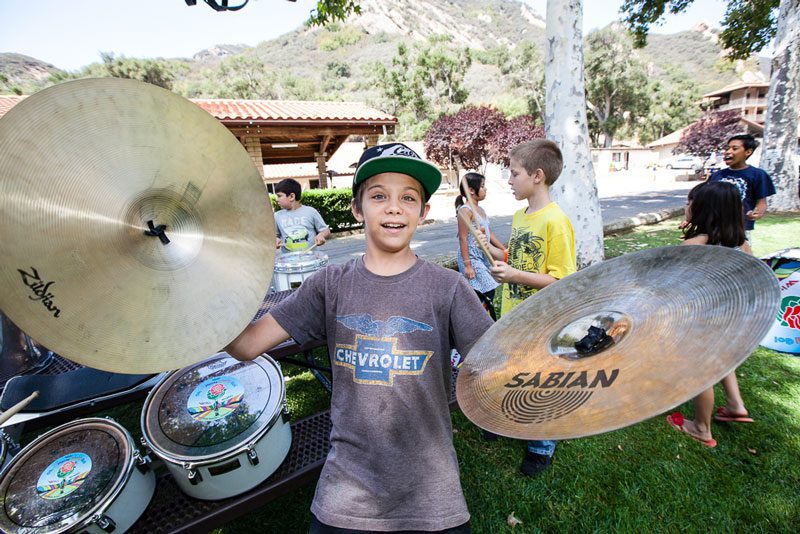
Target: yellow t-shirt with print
{"type": "Point", "coordinates": [541, 242]}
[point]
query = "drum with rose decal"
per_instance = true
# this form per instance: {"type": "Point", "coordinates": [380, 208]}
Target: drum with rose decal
{"type": "Point", "coordinates": [221, 426]}
{"type": "Point", "coordinates": [83, 476]}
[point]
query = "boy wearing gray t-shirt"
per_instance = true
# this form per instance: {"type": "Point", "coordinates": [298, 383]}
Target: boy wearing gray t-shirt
{"type": "Point", "coordinates": [390, 320]}
{"type": "Point", "coordinates": [298, 227]}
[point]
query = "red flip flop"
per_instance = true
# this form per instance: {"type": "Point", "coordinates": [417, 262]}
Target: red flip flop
{"type": "Point", "coordinates": [724, 415]}
{"type": "Point", "coordinates": [676, 421]}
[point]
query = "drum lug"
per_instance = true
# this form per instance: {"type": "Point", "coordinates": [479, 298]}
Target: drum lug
{"type": "Point", "coordinates": [252, 455]}
{"type": "Point", "coordinates": [143, 463]}
{"type": "Point", "coordinates": [193, 474]}
{"type": "Point", "coordinates": [105, 523]}
{"type": "Point", "coordinates": [286, 414]}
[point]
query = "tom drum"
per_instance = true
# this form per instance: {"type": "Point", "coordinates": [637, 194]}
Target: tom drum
{"type": "Point", "coordinates": [292, 268]}
{"type": "Point", "coordinates": [221, 426]}
{"type": "Point", "coordinates": [84, 476]}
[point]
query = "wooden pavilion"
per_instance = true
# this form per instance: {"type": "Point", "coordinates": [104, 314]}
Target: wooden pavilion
{"type": "Point", "coordinates": [288, 131]}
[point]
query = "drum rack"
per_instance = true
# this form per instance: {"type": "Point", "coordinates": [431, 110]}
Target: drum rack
{"type": "Point", "coordinates": [171, 510]}
{"type": "Point", "coordinates": [174, 512]}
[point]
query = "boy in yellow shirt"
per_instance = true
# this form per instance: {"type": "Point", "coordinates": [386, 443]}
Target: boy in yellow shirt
{"type": "Point", "coordinates": [541, 249]}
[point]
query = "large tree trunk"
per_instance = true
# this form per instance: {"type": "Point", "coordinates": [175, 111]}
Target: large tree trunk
{"type": "Point", "coordinates": [778, 156]}
{"type": "Point", "coordinates": [565, 123]}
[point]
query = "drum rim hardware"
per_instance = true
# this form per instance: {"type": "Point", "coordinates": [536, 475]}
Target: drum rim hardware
{"type": "Point", "coordinates": [187, 462]}
{"type": "Point", "coordinates": [97, 513]}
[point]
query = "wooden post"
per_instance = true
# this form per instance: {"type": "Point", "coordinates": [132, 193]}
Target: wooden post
{"type": "Point", "coordinates": [322, 170]}
{"type": "Point", "coordinates": [253, 146]}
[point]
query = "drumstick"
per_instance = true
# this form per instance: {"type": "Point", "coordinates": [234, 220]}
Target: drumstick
{"type": "Point", "coordinates": [474, 231]}
{"type": "Point", "coordinates": [6, 415]}
{"type": "Point", "coordinates": [476, 234]}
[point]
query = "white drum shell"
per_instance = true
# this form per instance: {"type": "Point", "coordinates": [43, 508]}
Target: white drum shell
{"type": "Point", "coordinates": [124, 505]}
{"type": "Point", "coordinates": [234, 472]}
{"type": "Point", "coordinates": [291, 275]}
{"type": "Point", "coordinates": [271, 449]}
{"type": "Point", "coordinates": [129, 505]}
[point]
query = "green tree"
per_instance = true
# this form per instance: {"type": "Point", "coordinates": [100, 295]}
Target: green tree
{"type": "Point", "coordinates": [441, 69]}
{"type": "Point", "coordinates": [422, 83]}
{"type": "Point", "coordinates": [155, 71]}
{"type": "Point", "coordinates": [749, 26]}
{"type": "Point", "coordinates": [616, 83]}
{"type": "Point", "coordinates": [245, 77]}
{"type": "Point", "coordinates": [328, 11]}
{"type": "Point", "coordinates": [524, 69]}
{"type": "Point", "coordinates": [672, 107]}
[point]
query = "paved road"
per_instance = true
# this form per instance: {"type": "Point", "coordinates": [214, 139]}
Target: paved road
{"type": "Point", "coordinates": [439, 239]}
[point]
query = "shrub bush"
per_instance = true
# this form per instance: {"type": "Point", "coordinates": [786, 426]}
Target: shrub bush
{"type": "Point", "coordinates": [332, 204]}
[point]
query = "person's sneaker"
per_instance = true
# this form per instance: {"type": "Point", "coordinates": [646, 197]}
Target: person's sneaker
{"type": "Point", "coordinates": [489, 436]}
{"type": "Point", "coordinates": [533, 463]}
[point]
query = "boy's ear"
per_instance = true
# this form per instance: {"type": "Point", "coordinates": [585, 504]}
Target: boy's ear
{"type": "Point", "coordinates": [357, 214]}
{"type": "Point", "coordinates": [538, 176]}
{"type": "Point", "coordinates": [425, 211]}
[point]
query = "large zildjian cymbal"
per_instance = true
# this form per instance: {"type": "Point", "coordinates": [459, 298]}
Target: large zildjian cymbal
{"type": "Point", "coordinates": [681, 318]}
{"type": "Point", "coordinates": [84, 167]}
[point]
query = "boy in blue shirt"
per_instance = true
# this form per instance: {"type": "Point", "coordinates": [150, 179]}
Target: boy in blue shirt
{"type": "Point", "coordinates": [754, 184]}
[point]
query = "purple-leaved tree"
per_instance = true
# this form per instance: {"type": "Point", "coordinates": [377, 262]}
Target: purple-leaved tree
{"type": "Point", "coordinates": [708, 135]}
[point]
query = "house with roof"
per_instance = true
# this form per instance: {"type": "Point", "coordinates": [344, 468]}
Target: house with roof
{"type": "Point", "coordinates": [748, 98]}
{"type": "Point", "coordinates": [277, 133]}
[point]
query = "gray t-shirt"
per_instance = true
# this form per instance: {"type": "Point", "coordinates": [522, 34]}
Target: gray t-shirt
{"type": "Point", "coordinates": [392, 465]}
{"type": "Point", "coordinates": [297, 228]}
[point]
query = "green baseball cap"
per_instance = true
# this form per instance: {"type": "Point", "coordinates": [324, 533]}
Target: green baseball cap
{"type": "Point", "coordinates": [397, 157]}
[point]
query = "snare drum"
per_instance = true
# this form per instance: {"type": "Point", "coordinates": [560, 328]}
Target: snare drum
{"type": "Point", "coordinates": [84, 476]}
{"type": "Point", "coordinates": [292, 268]}
{"type": "Point", "coordinates": [221, 426]}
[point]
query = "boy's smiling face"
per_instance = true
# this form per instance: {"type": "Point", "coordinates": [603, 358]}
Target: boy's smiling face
{"type": "Point", "coordinates": [736, 154]}
{"type": "Point", "coordinates": [392, 205]}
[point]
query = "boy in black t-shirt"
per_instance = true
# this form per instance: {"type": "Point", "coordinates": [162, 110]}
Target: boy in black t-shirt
{"type": "Point", "coordinates": [754, 184]}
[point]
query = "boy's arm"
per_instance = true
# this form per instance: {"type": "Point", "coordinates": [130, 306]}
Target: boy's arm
{"type": "Point", "coordinates": [560, 262]}
{"type": "Point", "coordinates": [497, 253]}
{"type": "Point", "coordinates": [758, 211]}
{"type": "Point", "coordinates": [504, 273]}
{"type": "Point", "coordinates": [321, 237]}
{"type": "Point", "coordinates": [257, 338]}
{"type": "Point", "coordinates": [469, 272]}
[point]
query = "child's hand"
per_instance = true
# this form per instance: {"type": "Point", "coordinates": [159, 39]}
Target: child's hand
{"type": "Point", "coordinates": [502, 272]}
{"type": "Point", "coordinates": [683, 225]}
{"type": "Point", "coordinates": [469, 272]}
{"type": "Point", "coordinates": [319, 239]}
{"type": "Point", "coordinates": [482, 238]}
{"type": "Point", "coordinates": [752, 215]}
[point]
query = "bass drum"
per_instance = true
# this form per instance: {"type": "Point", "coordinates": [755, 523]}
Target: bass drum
{"type": "Point", "coordinates": [84, 476]}
{"type": "Point", "coordinates": [221, 426]}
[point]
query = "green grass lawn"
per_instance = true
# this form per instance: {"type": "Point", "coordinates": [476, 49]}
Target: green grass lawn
{"type": "Point", "coordinates": [646, 477]}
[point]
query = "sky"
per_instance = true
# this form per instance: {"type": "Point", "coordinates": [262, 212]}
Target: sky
{"type": "Point", "coordinates": [71, 34]}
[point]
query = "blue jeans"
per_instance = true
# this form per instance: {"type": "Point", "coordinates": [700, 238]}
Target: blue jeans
{"type": "Point", "coordinates": [543, 447]}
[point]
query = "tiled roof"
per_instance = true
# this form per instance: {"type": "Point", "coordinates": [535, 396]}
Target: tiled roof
{"type": "Point", "coordinates": [290, 110]}
{"type": "Point", "coordinates": [7, 102]}
{"type": "Point", "coordinates": [270, 110]}
{"type": "Point", "coordinates": [736, 86]}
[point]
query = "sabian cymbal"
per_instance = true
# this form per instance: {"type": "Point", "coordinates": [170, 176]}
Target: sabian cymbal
{"type": "Point", "coordinates": [88, 169]}
{"type": "Point", "coordinates": [681, 318]}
